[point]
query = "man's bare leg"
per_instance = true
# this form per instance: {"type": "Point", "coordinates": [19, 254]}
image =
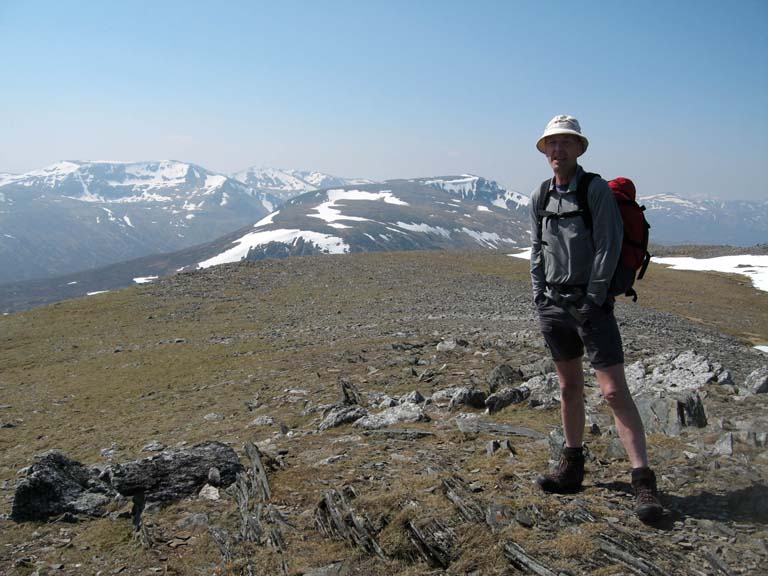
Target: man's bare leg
{"type": "Point", "coordinates": [571, 376]}
{"type": "Point", "coordinates": [613, 385]}
{"type": "Point", "coordinates": [570, 470]}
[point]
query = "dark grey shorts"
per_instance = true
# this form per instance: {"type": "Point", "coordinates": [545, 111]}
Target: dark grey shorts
{"type": "Point", "coordinates": [566, 337]}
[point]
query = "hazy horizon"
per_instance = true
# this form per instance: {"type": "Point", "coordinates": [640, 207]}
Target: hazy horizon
{"type": "Point", "coordinates": [670, 95]}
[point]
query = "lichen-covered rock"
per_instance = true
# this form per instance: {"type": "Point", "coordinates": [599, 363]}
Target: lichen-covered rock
{"type": "Point", "coordinates": [670, 414]}
{"type": "Point", "coordinates": [394, 415]}
{"type": "Point", "coordinates": [545, 390]}
{"type": "Point", "coordinates": [757, 381]}
{"type": "Point", "coordinates": [342, 415]}
{"type": "Point", "coordinates": [176, 473]}
{"type": "Point", "coordinates": [413, 397]}
{"type": "Point", "coordinates": [503, 376]}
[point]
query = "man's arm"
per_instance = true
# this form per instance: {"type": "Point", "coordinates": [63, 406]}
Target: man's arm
{"type": "Point", "coordinates": [607, 237]}
{"type": "Point", "coordinates": [537, 261]}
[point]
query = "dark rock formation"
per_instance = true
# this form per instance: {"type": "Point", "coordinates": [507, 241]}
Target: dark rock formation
{"type": "Point", "coordinates": [57, 485]}
{"type": "Point", "coordinates": [176, 474]}
{"type": "Point", "coordinates": [506, 397]}
{"type": "Point", "coordinates": [467, 397]}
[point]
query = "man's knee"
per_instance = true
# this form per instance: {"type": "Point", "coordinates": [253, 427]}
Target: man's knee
{"type": "Point", "coordinates": [617, 395]}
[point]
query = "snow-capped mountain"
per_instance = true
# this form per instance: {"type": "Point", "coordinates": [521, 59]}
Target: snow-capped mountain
{"type": "Point", "coordinates": [676, 220]}
{"type": "Point", "coordinates": [426, 213]}
{"type": "Point", "coordinates": [289, 183]}
{"type": "Point", "coordinates": [479, 189]}
{"type": "Point", "coordinates": [462, 212]}
{"type": "Point", "coordinates": [76, 215]}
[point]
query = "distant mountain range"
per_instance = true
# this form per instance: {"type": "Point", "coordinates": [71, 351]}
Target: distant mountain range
{"type": "Point", "coordinates": [286, 184]}
{"type": "Point", "coordinates": [74, 216]}
{"type": "Point", "coordinates": [459, 212]}
{"type": "Point", "coordinates": [676, 220]}
{"type": "Point", "coordinates": [61, 224]}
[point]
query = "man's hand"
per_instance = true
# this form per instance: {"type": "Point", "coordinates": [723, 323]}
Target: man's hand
{"type": "Point", "coordinates": [540, 300]}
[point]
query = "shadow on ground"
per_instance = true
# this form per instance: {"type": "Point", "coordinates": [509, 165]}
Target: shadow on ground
{"type": "Point", "coordinates": [748, 504]}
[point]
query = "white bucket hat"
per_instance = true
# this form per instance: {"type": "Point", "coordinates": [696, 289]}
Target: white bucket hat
{"type": "Point", "coordinates": [562, 124]}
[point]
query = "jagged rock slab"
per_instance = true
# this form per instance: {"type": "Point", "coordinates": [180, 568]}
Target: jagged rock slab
{"type": "Point", "coordinates": [342, 414]}
{"type": "Point", "coordinates": [175, 474]}
{"type": "Point", "coordinates": [669, 415]}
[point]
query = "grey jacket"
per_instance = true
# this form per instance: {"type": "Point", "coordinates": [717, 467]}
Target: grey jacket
{"type": "Point", "coordinates": [563, 250]}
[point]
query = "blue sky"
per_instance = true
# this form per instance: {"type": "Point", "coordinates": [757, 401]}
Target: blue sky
{"type": "Point", "coordinates": [670, 94]}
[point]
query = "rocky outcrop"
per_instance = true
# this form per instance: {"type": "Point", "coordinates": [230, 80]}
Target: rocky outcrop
{"type": "Point", "coordinates": [55, 485]}
{"type": "Point", "coordinates": [757, 381]}
{"type": "Point", "coordinates": [402, 413]}
{"type": "Point", "coordinates": [176, 473]}
{"type": "Point", "coordinates": [506, 397]}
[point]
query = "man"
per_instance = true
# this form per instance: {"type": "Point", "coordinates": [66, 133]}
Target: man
{"type": "Point", "coordinates": [571, 268]}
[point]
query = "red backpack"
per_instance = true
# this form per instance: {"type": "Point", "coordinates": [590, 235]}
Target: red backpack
{"type": "Point", "coordinates": [635, 257]}
{"type": "Point", "coordinates": [634, 251]}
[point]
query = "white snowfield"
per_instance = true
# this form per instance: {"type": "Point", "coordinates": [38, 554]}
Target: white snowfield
{"type": "Point", "coordinates": [753, 267]}
{"type": "Point", "coordinates": [330, 212]}
{"type": "Point", "coordinates": [326, 242]}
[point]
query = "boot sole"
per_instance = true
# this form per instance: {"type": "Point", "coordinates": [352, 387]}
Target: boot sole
{"type": "Point", "coordinates": [552, 488]}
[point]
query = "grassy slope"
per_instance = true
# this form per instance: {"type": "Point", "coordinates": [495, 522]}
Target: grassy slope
{"type": "Point", "coordinates": [149, 362]}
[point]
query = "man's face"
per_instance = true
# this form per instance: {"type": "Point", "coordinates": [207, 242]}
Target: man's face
{"type": "Point", "coordinates": [563, 150]}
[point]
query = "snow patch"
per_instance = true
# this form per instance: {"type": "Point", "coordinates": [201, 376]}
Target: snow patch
{"type": "Point", "coordinates": [483, 209]}
{"type": "Point", "coordinates": [128, 221]}
{"type": "Point", "coordinates": [525, 254]}
{"type": "Point", "coordinates": [426, 228]}
{"type": "Point", "coordinates": [268, 219]}
{"type": "Point", "coordinates": [213, 182]}
{"type": "Point", "coordinates": [489, 239]}
{"type": "Point", "coordinates": [329, 211]}
{"type": "Point", "coordinates": [145, 279]}
{"type": "Point", "coordinates": [327, 243]}
{"type": "Point", "coordinates": [97, 292]}
{"type": "Point", "coordinates": [751, 266]}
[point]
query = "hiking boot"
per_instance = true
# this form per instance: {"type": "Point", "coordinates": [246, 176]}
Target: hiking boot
{"type": "Point", "coordinates": [648, 508]}
{"type": "Point", "coordinates": [569, 474]}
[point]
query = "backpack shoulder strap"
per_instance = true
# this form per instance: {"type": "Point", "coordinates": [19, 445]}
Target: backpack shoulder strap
{"type": "Point", "coordinates": [582, 198]}
{"type": "Point", "coordinates": [543, 198]}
